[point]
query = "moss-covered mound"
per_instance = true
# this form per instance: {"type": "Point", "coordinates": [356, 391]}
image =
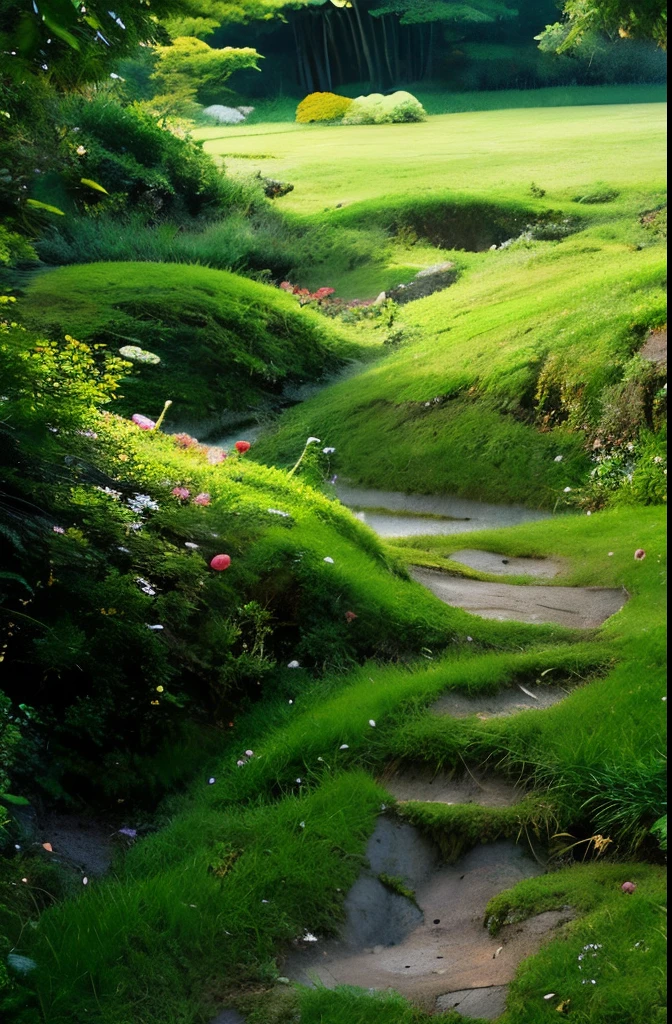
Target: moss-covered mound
{"type": "Point", "coordinates": [223, 340]}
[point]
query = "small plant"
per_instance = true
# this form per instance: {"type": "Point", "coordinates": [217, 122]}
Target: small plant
{"type": "Point", "coordinates": [599, 193]}
{"type": "Point", "coordinates": [395, 884]}
{"type": "Point", "coordinates": [322, 106]}
{"type": "Point", "coordinates": [537, 192]}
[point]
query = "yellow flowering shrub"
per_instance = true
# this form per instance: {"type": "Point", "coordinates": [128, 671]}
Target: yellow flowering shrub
{"type": "Point", "coordinates": [322, 106]}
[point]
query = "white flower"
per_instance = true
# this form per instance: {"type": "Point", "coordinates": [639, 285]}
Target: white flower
{"type": "Point", "coordinates": [372, 723]}
{"type": "Point", "coordinates": [551, 995]}
{"type": "Point", "coordinates": [558, 458]}
{"type": "Point", "coordinates": [264, 901]}
{"type": "Point", "coordinates": [277, 512]}
{"type": "Point", "coordinates": [313, 440]}
{"type": "Point", "coordinates": [302, 824]}
{"type": "Point", "coordinates": [145, 586]}
{"type": "Point", "coordinates": [344, 746]}
{"type": "Point", "coordinates": [291, 702]}
{"type": "Point", "coordinates": [298, 782]}
{"type": "Point", "coordinates": [211, 781]}
{"type": "Point", "coordinates": [308, 937]}
{"type": "Point", "coordinates": [249, 753]}
{"type": "Point", "coordinates": [329, 560]}
{"type": "Point", "coordinates": [328, 451]}
{"type": "Point", "coordinates": [154, 627]}
{"type": "Point", "coordinates": [85, 880]}
{"type": "Point", "coordinates": [240, 764]}
{"type": "Point", "coordinates": [140, 502]}
{"type": "Point", "coordinates": [189, 544]}
{"type": "Point", "coordinates": [567, 490]}
{"type": "Point", "coordinates": [293, 664]}
{"type": "Point", "coordinates": [470, 639]}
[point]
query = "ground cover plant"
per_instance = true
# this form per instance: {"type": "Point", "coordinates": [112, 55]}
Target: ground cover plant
{"type": "Point", "coordinates": [208, 660]}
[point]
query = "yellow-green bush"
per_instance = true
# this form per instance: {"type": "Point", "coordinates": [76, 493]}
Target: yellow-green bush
{"type": "Point", "coordinates": [322, 106]}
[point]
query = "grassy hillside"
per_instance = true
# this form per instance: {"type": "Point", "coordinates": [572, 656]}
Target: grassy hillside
{"type": "Point", "coordinates": [224, 341]}
{"type": "Point", "coordinates": [269, 849]}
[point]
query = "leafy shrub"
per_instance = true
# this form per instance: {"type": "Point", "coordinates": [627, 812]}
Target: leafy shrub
{"type": "Point", "coordinates": [222, 339]}
{"type": "Point", "coordinates": [123, 633]}
{"type": "Point", "coordinates": [399, 107]}
{"type": "Point", "coordinates": [322, 106]}
{"type": "Point", "coordinates": [15, 250]}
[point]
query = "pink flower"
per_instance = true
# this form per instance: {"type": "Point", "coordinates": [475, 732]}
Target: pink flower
{"type": "Point", "coordinates": [180, 492]}
{"type": "Point", "coordinates": [242, 447]}
{"type": "Point", "coordinates": [628, 887]}
{"type": "Point", "coordinates": [185, 440]}
{"type": "Point", "coordinates": [640, 555]}
{"type": "Point", "coordinates": [202, 499]}
{"type": "Point", "coordinates": [220, 562]}
{"type": "Point", "coordinates": [350, 616]}
{"type": "Point", "coordinates": [216, 455]}
{"type": "Point", "coordinates": [143, 422]}
{"type": "Point", "coordinates": [58, 529]}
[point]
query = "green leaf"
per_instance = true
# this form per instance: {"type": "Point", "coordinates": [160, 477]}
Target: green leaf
{"type": "Point", "coordinates": [94, 184]}
{"type": "Point", "coordinates": [9, 798]}
{"type": "Point", "coordinates": [37, 205]}
{"type": "Point", "coordinates": [61, 32]}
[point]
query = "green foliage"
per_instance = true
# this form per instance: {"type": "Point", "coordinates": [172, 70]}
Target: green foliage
{"type": "Point", "coordinates": [15, 250]}
{"type": "Point", "coordinates": [191, 70]}
{"type": "Point", "coordinates": [82, 42]}
{"type": "Point", "coordinates": [397, 108]}
{"type": "Point", "coordinates": [645, 20]}
{"type": "Point", "coordinates": [322, 106]}
{"type": "Point", "coordinates": [477, 12]}
{"type": "Point", "coordinates": [223, 341]}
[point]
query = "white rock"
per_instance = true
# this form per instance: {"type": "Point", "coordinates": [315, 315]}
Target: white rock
{"type": "Point", "coordinates": [225, 115]}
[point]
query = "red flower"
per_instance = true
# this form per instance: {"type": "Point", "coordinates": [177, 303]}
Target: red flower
{"type": "Point", "coordinates": [350, 616]}
{"type": "Point", "coordinates": [220, 562]}
{"type": "Point", "coordinates": [287, 286]}
{"type": "Point", "coordinates": [242, 447]}
{"type": "Point", "coordinates": [640, 555]}
{"type": "Point", "coordinates": [322, 293]}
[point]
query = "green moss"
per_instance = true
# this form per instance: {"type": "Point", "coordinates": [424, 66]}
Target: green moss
{"type": "Point", "coordinates": [224, 341]}
{"type": "Point", "coordinates": [397, 885]}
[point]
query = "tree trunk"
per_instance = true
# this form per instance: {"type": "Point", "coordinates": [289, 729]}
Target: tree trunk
{"type": "Point", "coordinates": [325, 44]}
{"type": "Point", "coordinates": [358, 54]}
{"type": "Point", "coordinates": [386, 50]}
{"type": "Point", "coordinates": [334, 48]}
{"type": "Point", "coordinates": [429, 67]}
{"type": "Point", "coordinates": [365, 46]}
{"type": "Point", "coordinates": [299, 60]}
